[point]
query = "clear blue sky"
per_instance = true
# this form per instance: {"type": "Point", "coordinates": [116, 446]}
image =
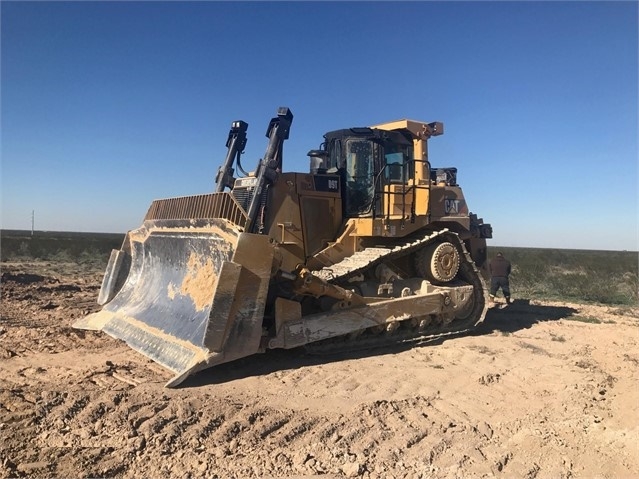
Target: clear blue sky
{"type": "Point", "coordinates": [107, 106]}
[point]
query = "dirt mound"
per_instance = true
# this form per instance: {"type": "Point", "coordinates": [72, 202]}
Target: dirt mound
{"type": "Point", "coordinates": [539, 390]}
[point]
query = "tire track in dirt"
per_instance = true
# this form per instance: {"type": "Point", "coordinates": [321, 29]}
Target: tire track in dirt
{"type": "Point", "coordinates": [487, 405]}
{"type": "Point", "coordinates": [253, 438]}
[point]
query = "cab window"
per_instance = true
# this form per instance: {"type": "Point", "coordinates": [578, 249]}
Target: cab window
{"type": "Point", "coordinates": [397, 167]}
{"type": "Point", "coordinates": [360, 177]}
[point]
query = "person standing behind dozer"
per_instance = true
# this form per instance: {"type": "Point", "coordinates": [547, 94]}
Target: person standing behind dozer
{"type": "Point", "coordinates": [499, 272]}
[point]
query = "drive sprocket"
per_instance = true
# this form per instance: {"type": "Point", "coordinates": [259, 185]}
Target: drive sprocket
{"type": "Point", "coordinates": [438, 262]}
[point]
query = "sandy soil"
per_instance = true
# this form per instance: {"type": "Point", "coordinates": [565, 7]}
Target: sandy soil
{"type": "Point", "coordinates": [531, 393]}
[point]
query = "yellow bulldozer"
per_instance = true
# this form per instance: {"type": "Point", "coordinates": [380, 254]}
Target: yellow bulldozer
{"type": "Point", "coordinates": [372, 245]}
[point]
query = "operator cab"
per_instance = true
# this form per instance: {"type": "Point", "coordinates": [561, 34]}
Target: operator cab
{"type": "Point", "coordinates": [365, 159]}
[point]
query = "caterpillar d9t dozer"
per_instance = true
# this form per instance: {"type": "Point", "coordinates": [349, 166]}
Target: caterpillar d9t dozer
{"type": "Point", "coordinates": [372, 245]}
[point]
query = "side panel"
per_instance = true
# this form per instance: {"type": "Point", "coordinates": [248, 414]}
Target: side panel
{"type": "Point", "coordinates": [304, 215]}
{"type": "Point", "coordinates": [321, 221]}
{"type": "Point", "coordinates": [448, 201]}
{"type": "Point", "coordinates": [284, 222]}
{"type": "Point", "coordinates": [321, 204]}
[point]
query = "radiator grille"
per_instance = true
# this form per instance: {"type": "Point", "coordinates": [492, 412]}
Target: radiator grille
{"type": "Point", "coordinates": [243, 196]}
{"type": "Point", "coordinates": [214, 205]}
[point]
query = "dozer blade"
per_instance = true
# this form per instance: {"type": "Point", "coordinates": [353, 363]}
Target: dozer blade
{"type": "Point", "coordinates": [192, 293]}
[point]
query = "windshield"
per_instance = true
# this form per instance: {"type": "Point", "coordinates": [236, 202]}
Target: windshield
{"type": "Point", "coordinates": [366, 161]}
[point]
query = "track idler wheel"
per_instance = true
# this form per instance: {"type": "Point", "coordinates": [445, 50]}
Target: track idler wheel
{"type": "Point", "coordinates": [438, 262]}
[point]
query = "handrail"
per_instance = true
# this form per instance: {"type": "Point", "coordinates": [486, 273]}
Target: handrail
{"type": "Point", "coordinates": [409, 185]}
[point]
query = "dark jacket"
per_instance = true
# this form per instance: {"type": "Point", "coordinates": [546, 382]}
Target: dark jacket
{"type": "Point", "coordinates": [499, 267]}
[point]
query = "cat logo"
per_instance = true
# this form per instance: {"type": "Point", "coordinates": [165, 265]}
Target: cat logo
{"type": "Point", "coordinates": [451, 206]}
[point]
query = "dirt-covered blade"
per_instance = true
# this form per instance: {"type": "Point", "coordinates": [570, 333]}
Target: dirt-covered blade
{"type": "Point", "coordinates": [188, 299]}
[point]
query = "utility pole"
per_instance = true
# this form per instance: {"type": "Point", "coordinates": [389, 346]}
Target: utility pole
{"type": "Point", "coordinates": [32, 221]}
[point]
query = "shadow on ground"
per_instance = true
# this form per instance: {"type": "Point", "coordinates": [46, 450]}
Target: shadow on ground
{"type": "Point", "coordinates": [520, 315]}
{"type": "Point", "coordinates": [517, 316]}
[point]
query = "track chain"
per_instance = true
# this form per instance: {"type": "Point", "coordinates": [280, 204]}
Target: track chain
{"type": "Point", "coordinates": [371, 257]}
{"type": "Point", "coordinates": [405, 337]}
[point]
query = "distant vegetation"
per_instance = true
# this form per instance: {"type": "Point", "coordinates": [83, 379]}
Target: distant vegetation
{"type": "Point", "coordinates": [95, 248]}
{"type": "Point", "coordinates": [609, 277]}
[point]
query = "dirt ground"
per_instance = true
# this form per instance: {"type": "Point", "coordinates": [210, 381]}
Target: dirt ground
{"type": "Point", "coordinates": [539, 390]}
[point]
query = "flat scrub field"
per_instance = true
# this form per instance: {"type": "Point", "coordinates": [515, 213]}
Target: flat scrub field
{"type": "Point", "coordinates": [608, 277]}
{"type": "Point", "coordinates": [83, 248]}
{"type": "Point", "coordinates": [544, 388]}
